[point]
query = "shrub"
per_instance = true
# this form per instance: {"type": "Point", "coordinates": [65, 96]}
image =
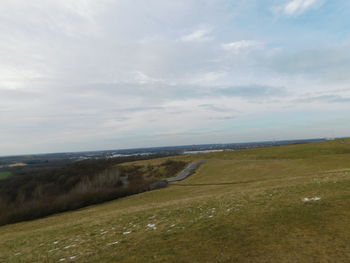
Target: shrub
{"type": "Point", "coordinates": [37, 193]}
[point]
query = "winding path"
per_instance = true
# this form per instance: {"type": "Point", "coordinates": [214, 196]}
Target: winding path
{"type": "Point", "coordinates": [189, 170]}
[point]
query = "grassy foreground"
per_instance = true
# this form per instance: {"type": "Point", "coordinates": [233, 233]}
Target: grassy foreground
{"type": "Point", "coordinates": [240, 206]}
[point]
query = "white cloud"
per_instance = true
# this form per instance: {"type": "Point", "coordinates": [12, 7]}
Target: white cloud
{"type": "Point", "coordinates": [198, 35]}
{"type": "Point", "coordinates": [142, 78]}
{"type": "Point", "coordinates": [297, 7]}
{"type": "Point", "coordinates": [207, 77]}
{"type": "Point", "coordinates": [238, 46]}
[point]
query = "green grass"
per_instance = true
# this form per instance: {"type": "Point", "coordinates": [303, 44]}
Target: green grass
{"type": "Point", "coordinates": [4, 175]}
{"type": "Point", "coordinates": [240, 206]}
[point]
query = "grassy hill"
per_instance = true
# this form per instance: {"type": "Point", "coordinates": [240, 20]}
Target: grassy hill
{"type": "Point", "coordinates": [277, 204]}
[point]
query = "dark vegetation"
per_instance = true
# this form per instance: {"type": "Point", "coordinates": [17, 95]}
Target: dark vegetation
{"type": "Point", "coordinates": [39, 191]}
{"type": "Point", "coordinates": [166, 169]}
{"type": "Point", "coordinates": [4, 175]}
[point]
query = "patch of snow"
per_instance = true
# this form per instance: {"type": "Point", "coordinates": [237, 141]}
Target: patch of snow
{"type": "Point", "coordinates": [113, 243]}
{"type": "Point", "coordinates": [126, 233]}
{"type": "Point", "coordinates": [69, 246]}
{"type": "Point", "coordinates": [307, 199]}
{"type": "Point", "coordinates": [56, 242]}
{"type": "Point", "coordinates": [153, 226]}
{"type": "Point", "coordinates": [61, 259]}
{"type": "Point", "coordinates": [72, 257]}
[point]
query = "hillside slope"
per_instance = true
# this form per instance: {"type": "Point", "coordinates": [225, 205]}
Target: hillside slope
{"type": "Point", "coordinates": [277, 204]}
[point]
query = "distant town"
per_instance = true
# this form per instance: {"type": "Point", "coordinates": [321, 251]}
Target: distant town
{"type": "Point", "coordinates": [14, 162]}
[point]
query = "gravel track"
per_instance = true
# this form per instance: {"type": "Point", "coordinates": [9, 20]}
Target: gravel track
{"type": "Point", "coordinates": [189, 170]}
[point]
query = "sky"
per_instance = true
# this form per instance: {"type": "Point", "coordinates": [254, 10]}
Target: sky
{"type": "Point", "coordinates": [79, 75]}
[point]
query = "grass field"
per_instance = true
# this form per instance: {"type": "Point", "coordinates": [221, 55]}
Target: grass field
{"type": "Point", "coordinates": [4, 175]}
{"type": "Point", "coordinates": [277, 204]}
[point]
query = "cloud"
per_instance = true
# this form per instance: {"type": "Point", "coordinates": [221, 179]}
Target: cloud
{"type": "Point", "coordinates": [198, 35]}
{"type": "Point", "coordinates": [143, 78]}
{"type": "Point", "coordinates": [163, 93]}
{"type": "Point", "coordinates": [74, 74]}
{"type": "Point", "coordinates": [215, 108]}
{"type": "Point", "coordinates": [326, 98]}
{"type": "Point", "coordinates": [139, 109]}
{"type": "Point", "coordinates": [241, 45]}
{"type": "Point", "coordinates": [252, 92]}
{"type": "Point", "coordinates": [205, 78]}
{"type": "Point", "coordinates": [297, 7]}
{"type": "Point", "coordinates": [329, 64]}
{"type": "Point", "coordinates": [224, 118]}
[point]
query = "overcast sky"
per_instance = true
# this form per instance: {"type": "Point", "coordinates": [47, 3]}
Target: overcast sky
{"type": "Point", "coordinates": [90, 75]}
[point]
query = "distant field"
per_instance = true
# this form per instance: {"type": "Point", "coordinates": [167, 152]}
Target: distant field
{"type": "Point", "coordinates": [4, 175]}
{"type": "Point", "coordinates": [278, 204]}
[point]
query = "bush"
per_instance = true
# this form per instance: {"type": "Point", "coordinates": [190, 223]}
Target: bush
{"type": "Point", "coordinates": [48, 191]}
{"type": "Point", "coordinates": [38, 193]}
